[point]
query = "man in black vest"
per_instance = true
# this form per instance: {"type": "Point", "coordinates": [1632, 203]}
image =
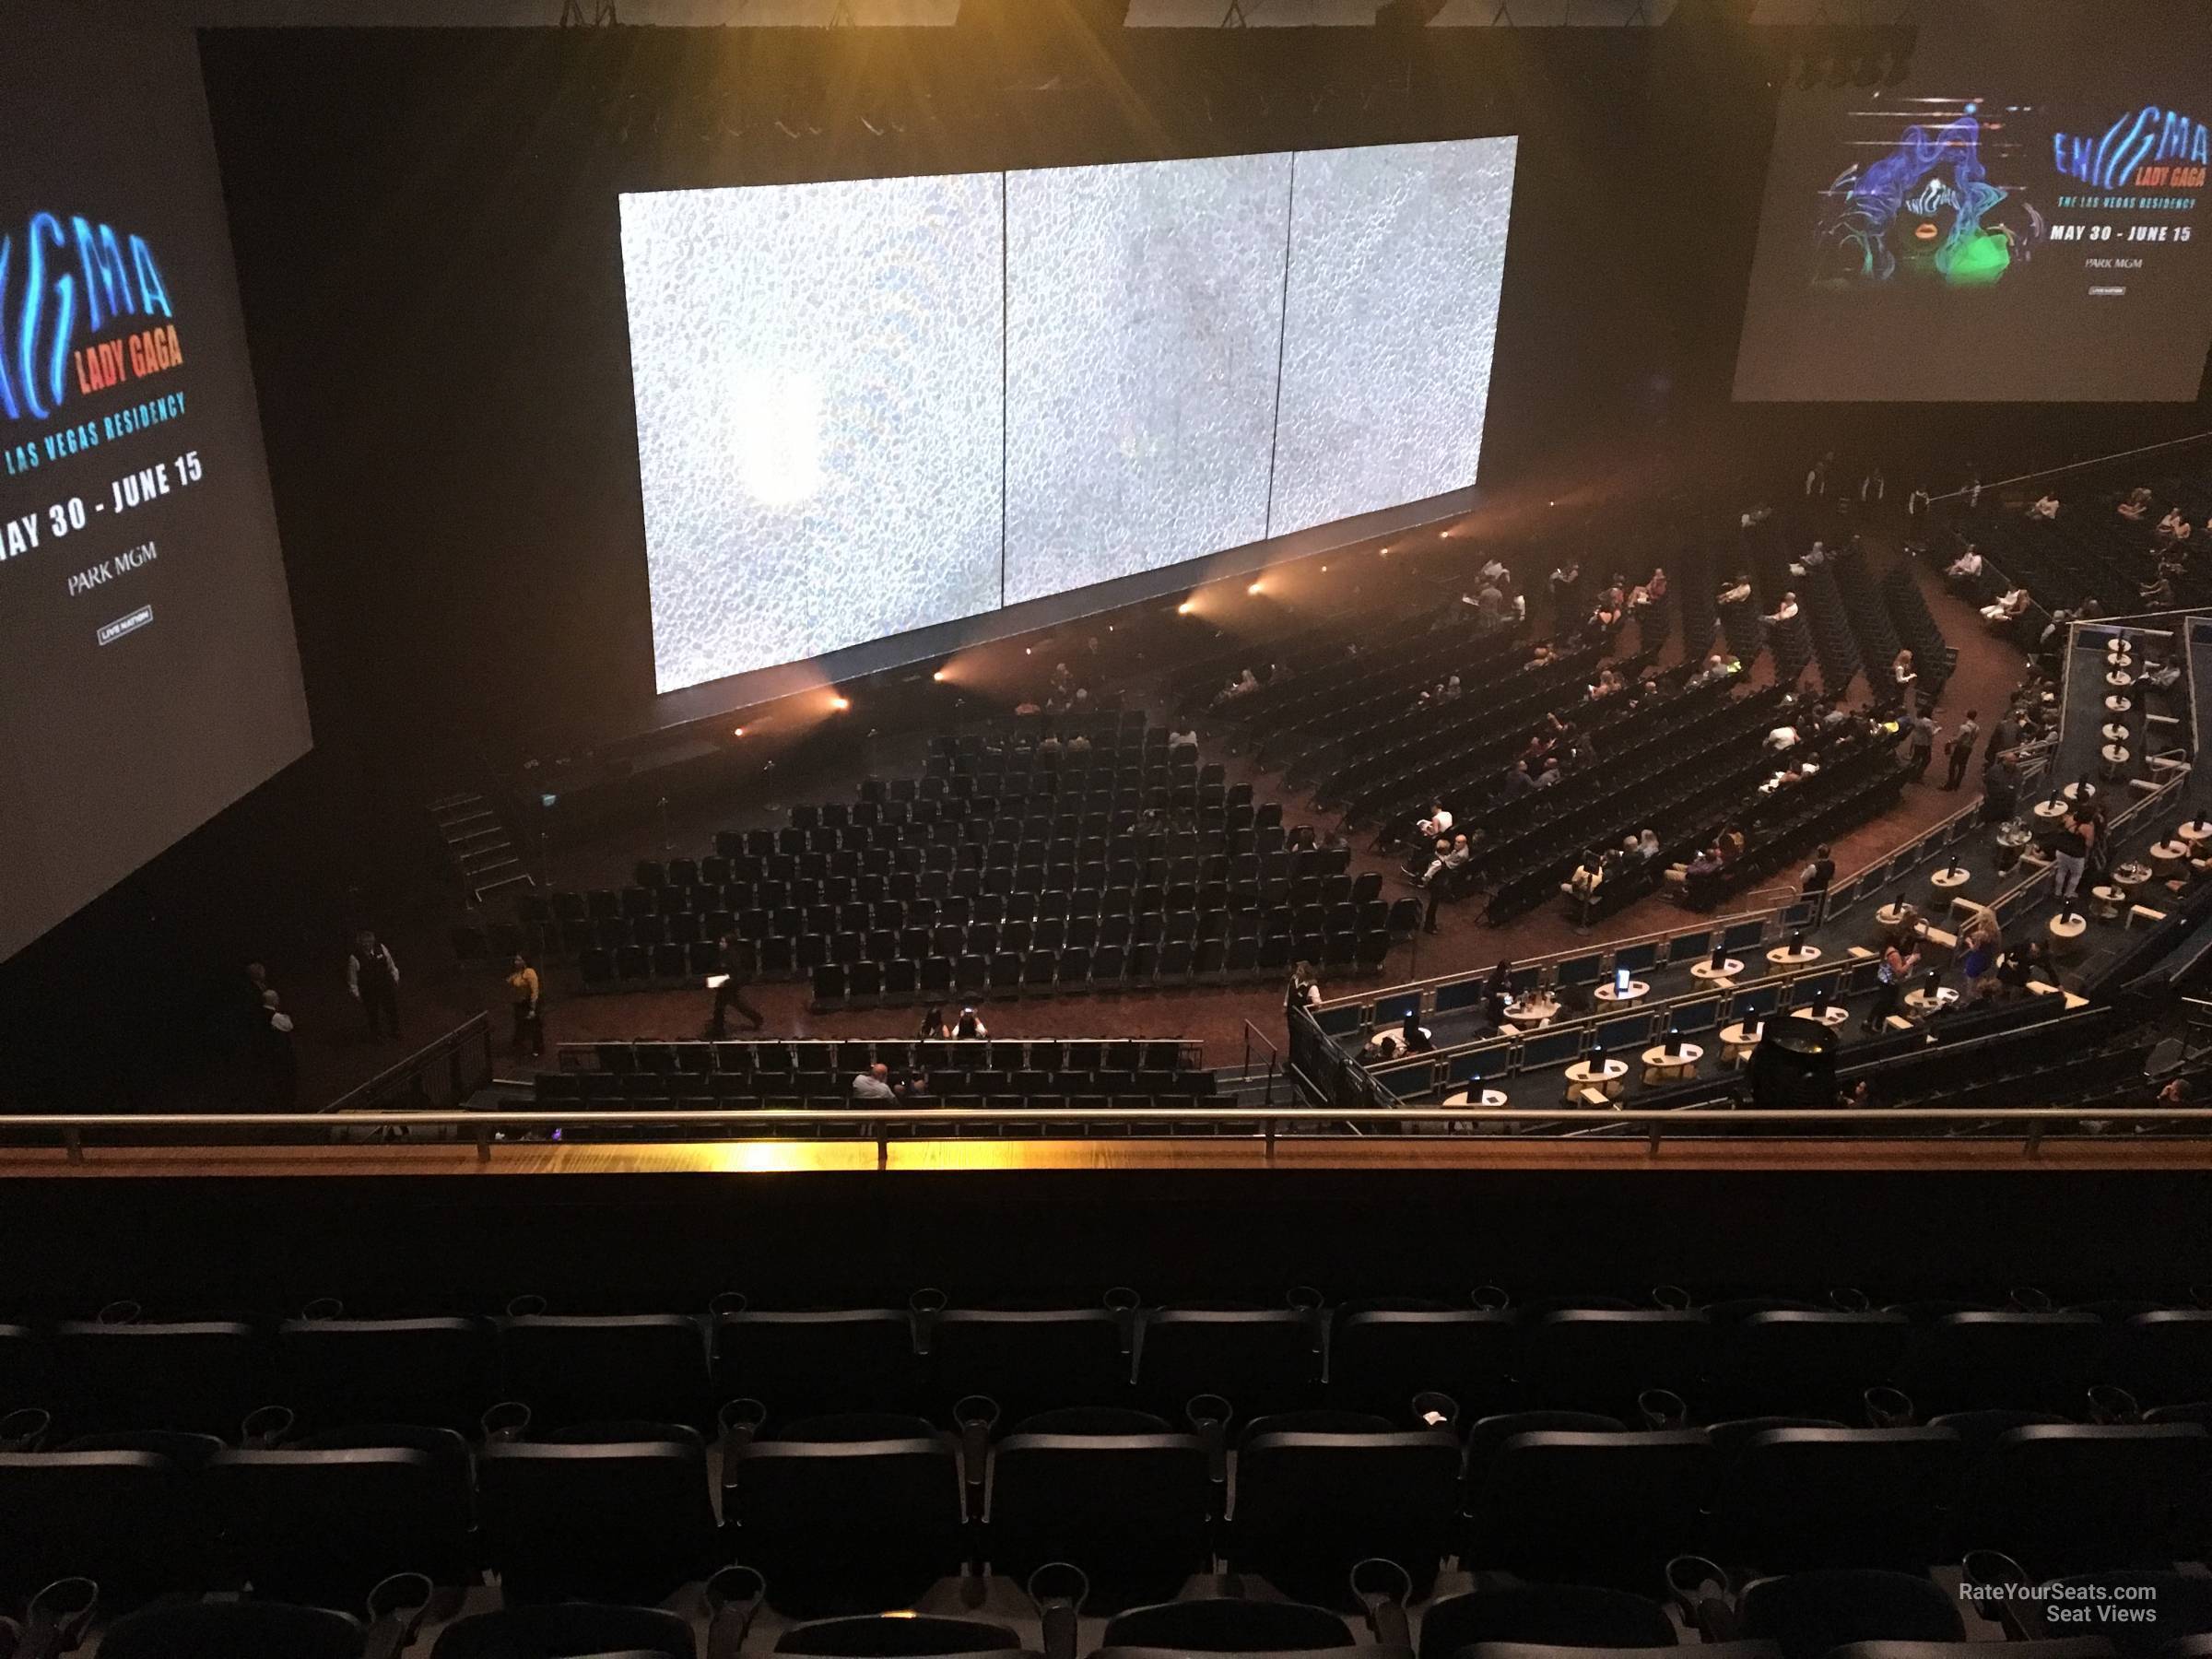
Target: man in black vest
{"type": "Point", "coordinates": [373, 979]}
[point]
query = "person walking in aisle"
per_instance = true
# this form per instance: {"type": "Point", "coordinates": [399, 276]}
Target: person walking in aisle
{"type": "Point", "coordinates": [280, 1057]}
{"type": "Point", "coordinates": [372, 977]}
{"type": "Point", "coordinates": [1961, 749]}
{"type": "Point", "coordinates": [1899, 957]}
{"type": "Point", "coordinates": [1920, 746]}
{"type": "Point", "coordinates": [739, 962]}
{"type": "Point", "coordinates": [2070, 855]}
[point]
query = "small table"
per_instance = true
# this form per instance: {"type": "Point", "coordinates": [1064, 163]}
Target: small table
{"type": "Point", "coordinates": [2194, 833]}
{"type": "Point", "coordinates": [2169, 858]}
{"type": "Point", "coordinates": [2120, 679]}
{"type": "Point", "coordinates": [1615, 994]}
{"type": "Point", "coordinates": [2114, 732]}
{"type": "Point", "coordinates": [1835, 1014]}
{"type": "Point", "coordinates": [1952, 875]}
{"type": "Point", "coordinates": [2109, 900]}
{"type": "Point", "coordinates": [2117, 704]}
{"type": "Point", "coordinates": [1739, 1039]}
{"type": "Point", "coordinates": [2052, 809]}
{"type": "Point", "coordinates": [2078, 791]}
{"type": "Point", "coordinates": [1890, 915]}
{"type": "Point", "coordinates": [2013, 834]}
{"type": "Point", "coordinates": [1728, 969]}
{"type": "Point", "coordinates": [1928, 1002]}
{"type": "Point", "coordinates": [2066, 929]}
{"type": "Point", "coordinates": [2132, 874]}
{"type": "Point", "coordinates": [2115, 758]}
{"type": "Point", "coordinates": [1605, 1076]}
{"type": "Point", "coordinates": [1660, 1065]}
{"type": "Point", "coordinates": [1782, 956]}
{"type": "Point", "coordinates": [1532, 1010]}
{"type": "Point", "coordinates": [1467, 1097]}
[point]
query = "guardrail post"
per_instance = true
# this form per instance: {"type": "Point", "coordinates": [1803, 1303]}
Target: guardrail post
{"type": "Point", "coordinates": [1268, 1129]}
{"type": "Point", "coordinates": [484, 1144]}
{"type": "Point", "coordinates": [883, 1146]}
{"type": "Point", "coordinates": [74, 1138]}
{"type": "Point", "coordinates": [1657, 1130]}
{"type": "Point", "coordinates": [2035, 1139]}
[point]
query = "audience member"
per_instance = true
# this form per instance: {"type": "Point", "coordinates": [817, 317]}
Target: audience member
{"type": "Point", "coordinates": [874, 1084]}
{"type": "Point", "coordinates": [279, 1058]}
{"type": "Point", "coordinates": [372, 978]}
{"type": "Point", "coordinates": [737, 961]}
{"type": "Point", "coordinates": [1961, 749]}
{"type": "Point", "coordinates": [529, 1009]}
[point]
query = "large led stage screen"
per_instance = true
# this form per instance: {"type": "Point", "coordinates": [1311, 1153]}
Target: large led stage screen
{"type": "Point", "coordinates": [818, 371]}
{"type": "Point", "coordinates": [1143, 323]}
{"type": "Point", "coordinates": [2023, 219]}
{"type": "Point", "coordinates": [148, 672]}
{"type": "Point", "coordinates": [870, 408]}
{"type": "Point", "coordinates": [1397, 255]}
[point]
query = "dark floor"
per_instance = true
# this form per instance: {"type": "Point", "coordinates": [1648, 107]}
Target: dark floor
{"type": "Point", "coordinates": [437, 992]}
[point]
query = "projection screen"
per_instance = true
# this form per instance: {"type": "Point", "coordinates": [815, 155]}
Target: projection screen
{"type": "Point", "coordinates": [873, 407]}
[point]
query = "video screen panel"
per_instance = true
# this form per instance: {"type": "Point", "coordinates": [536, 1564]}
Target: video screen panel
{"type": "Point", "coordinates": [149, 671]}
{"type": "Point", "coordinates": [817, 370]}
{"type": "Point", "coordinates": [868, 409]}
{"type": "Point", "coordinates": [2022, 219]}
{"type": "Point", "coordinates": [1396, 256]}
{"type": "Point", "coordinates": [1144, 324]}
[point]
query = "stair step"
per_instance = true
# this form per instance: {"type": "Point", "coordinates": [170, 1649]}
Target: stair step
{"type": "Point", "coordinates": [521, 878]}
{"type": "Point", "coordinates": [449, 803]}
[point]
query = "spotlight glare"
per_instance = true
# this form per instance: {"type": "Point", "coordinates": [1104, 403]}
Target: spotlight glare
{"type": "Point", "coordinates": [938, 677]}
{"type": "Point", "coordinates": [1184, 610]}
{"type": "Point", "coordinates": [739, 732]}
{"type": "Point", "coordinates": [1253, 588]}
{"type": "Point", "coordinates": [840, 702]}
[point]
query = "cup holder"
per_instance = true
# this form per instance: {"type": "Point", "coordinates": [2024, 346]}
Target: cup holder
{"type": "Point", "coordinates": [266, 1427]}
{"type": "Point", "coordinates": [526, 1307]}
{"type": "Point", "coordinates": [1662, 1410]}
{"type": "Point", "coordinates": [2112, 1407]}
{"type": "Point", "coordinates": [729, 1303]}
{"type": "Point", "coordinates": [323, 1307]}
{"type": "Point", "coordinates": [506, 1422]}
{"type": "Point", "coordinates": [1490, 1299]}
{"type": "Point", "coordinates": [25, 1428]}
{"type": "Point", "coordinates": [121, 1314]}
{"type": "Point", "coordinates": [1849, 1299]}
{"type": "Point", "coordinates": [1670, 1299]}
{"type": "Point", "coordinates": [1888, 1408]}
{"type": "Point", "coordinates": [1432, 1411]}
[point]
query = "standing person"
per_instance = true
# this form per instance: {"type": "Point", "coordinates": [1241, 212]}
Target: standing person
{"type": "Point", "coordinates": [2069, 854]}
{"type": "Point", "coordinates": [1900, 956]}
{"type": "Point", "coordinates": [1920, 746]}
{"type": "Point", "coordinates": [1961, 749]}
{"type": "Point", "coordinates": [279, 1058]}
{"type": "Point", "coordinates": [2004, 736]}
{"type": "Point", "coordinates": [1815, 880]}
{"type": "Point", "coordinates": [529, 1018]}
{"type": "Point", "coordinates": [739, 962]}
{"type": "Point", "coordinates": [372, 977]}
{"type": "Point", "coordinates": [1303, 991]}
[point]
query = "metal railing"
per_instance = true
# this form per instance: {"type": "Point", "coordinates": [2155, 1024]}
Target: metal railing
{"type": "Point", "coordinates": [492, 1131]}
{"type": "Point", "coordinates": [446, 1060]}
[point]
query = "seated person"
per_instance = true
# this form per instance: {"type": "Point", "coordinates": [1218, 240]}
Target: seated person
{"type": "Point", "coordinates": [1451, 854]}
{"type": "Point", "coordinates": [1184, 739]}
{"type": "Point", "coordinates": [2137, 502]}
{"type": "Point", "coordinates": [1716, 668]}
{"type": "Point", "coordinates": [1589, 875]}
{"type": "Point", "coordinates": [1965, 570]}
{"type": "Point", "coordinates": [1647, 846]}
{"type": "Point", "coordinates": [2045, 506]}
{"type": "Point", "coordinates": [1438, 822]}
{"type": "Point", "coordinates": [1383, 1046]}
{"type": "Point", "coordinates": [1737, 592]}
{"type": "Point", "coordinates": [2161, 676]}
{"type": "Point", "coordinates": [1783, 737]}
{"type": "Point", "coordinates": [1519, 780]}
{"type": "Point", "coordinates": [1785, 610]}
{"type": "Point", "coordinates": [1412, 1035]}
{"type": "Point", "coordinates": [2173, 527]}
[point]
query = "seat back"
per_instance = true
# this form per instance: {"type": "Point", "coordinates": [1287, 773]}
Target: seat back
{"type": "Point", "coordinates": [1131, 1509]}
{"type": "Point", "coordinates": [1260, 1360]}
{"type": "Point", "coordinates": [568, 1628]}
{"type": "Point", "coordinates": [1571, 1615]}
{"type": "Point", "coordinates": [571, 1370]}
{"type": "Point", "coordinates": [1601, 1359]}
{"type": "Point", "coordinates": [1380, 1357]}
{"type": "Point", "coordinates": [202, 1375]}
{"type": "Point", "coordinates": [1807, 1359]}
{"type": "Point", "coordinates": [1309, 1506]}
{"type": "Point", "coordinates": [334, 1372]}
{"type": "Point", "coordinates": [244, 1630]}
{"type": "Point", "coordinates": [620, 1520]}
{"type": "Point", "coordinates": [2066, 1498]}
{"type": "Point", "coordinates": [1612, 1507]}
{"type": "Point", "coordinates": [1793, 1498]}
{"type": "Point", "coordinates": [135, 1520]}
{"type": "Point", "coordinates": [2035, 1362]}
{"type": "Point", "coordinates": [1228, 1624]}
{"type": "Point", "coordinates": [324, 1526]}
{"type": "Point", "coordinates": [1807, 1615]}
{"type": "Point", "coordinates": [847, 1525]}
{"type": "Point", "coordinates": [908, 1636]}
{"type": "Point", "coordinates": [1027, 1360]}
{"type": "Point", "coordinates": [844, 1358]}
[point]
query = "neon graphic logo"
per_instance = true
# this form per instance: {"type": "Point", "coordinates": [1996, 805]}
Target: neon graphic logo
{"type": "Point", "coordinates": [58, 287]}
{"type": "Point", "coordinates": [2149, 135]}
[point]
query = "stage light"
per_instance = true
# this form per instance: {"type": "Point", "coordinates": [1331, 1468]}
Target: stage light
{"type": "Point", "coordinates": [839, 703]}
{"type": "Point", "coordinates": [1324, 570]}
{"type": "Point", "coordinates": [739, 732]}
{"type": "Point", "coordinates": [938, 677]}
{"type": "Point", "coordinates": [1253, 588]}
{"type": "Point", "coordinates": [1184, 610]}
